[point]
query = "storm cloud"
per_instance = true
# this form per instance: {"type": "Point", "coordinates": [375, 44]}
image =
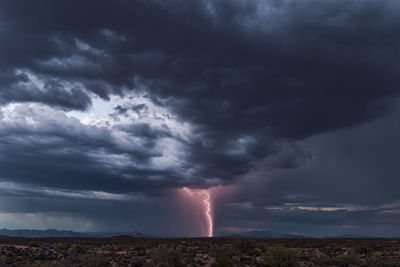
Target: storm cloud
{"type": "Point", "coordinates": [293, 101]}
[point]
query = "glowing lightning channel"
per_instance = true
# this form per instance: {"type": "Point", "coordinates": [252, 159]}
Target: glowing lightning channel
{"type": "Point", "coordinates": [207, 205]}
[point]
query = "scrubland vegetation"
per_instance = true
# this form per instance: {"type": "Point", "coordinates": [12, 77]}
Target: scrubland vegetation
{"type": "Point", "coordinates": [127, 251]}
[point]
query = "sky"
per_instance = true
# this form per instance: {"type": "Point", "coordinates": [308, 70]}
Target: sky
{"type": "Point", "coordinates": [286, 112]}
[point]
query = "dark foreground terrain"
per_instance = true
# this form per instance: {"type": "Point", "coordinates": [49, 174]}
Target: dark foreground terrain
{"type": "Point", "coordinates": [127, 251]}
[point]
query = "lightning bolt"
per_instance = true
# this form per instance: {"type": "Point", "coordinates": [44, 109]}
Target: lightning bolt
{"type": "Point", "coordinates": [207, 206]}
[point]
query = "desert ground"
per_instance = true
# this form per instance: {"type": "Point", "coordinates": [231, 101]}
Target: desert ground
{"type": "Point", "coordinates": [128, 251]}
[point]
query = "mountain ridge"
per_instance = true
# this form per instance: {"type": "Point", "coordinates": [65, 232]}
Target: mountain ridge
{"type": "Point", "coordinates": [63, 233]}
{"type": "Point", "coordinates": [263, 234]}
{"type": "Point", "coordinates": [32, 233]}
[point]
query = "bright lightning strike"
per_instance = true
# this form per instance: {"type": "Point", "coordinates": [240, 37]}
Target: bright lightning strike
{"type": "Point", "coordinates": [207, 206]}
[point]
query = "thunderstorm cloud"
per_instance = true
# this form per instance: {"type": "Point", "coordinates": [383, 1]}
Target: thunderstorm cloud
{"type": "Point", "coordinates": [108, 107]}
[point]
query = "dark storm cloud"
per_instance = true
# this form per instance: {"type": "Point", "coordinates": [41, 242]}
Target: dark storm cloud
{"type": "Point", "coordinates": [229, 60]}
{"type": "Point", "coordinates": [258, 69]}
{"type": "Point", "coordinates": [349, 186]}
{"type": "Point", "coordinates": [253, 79]}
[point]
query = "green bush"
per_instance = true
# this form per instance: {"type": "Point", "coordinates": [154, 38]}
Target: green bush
{"type": "Point", "coordinates": [280, 257]}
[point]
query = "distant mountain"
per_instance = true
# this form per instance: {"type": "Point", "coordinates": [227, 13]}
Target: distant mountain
{"type": "Point", "coordinates": [40, 233]}
{"type": "Point", "coordinates": [135, 234]}
{"type": "Point", "coordinates": [263, 234]}
{"type": "Point", "coordinates": [62, 233]}
{"type": "Point", "coordinates": [4, 233]}
{"type": "Point", "coordinates": [351, 236]}
{"type": "Point", "coordinates": [267, 234]}
{"type": "Point", "coordinates": [102, 234]}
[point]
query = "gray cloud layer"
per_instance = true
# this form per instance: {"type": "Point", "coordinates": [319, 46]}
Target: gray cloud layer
{"type": "Point", "coordinates": [253, 92]}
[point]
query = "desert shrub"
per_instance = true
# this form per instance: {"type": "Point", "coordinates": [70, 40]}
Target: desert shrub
{"type": "Point", "coordinates": [141, 251]}
{"type": "Point", "coordinates": [224, 256]}
{"type": "Point", "coordinates": [191, 252]}
{"type": "Point", "coordinates": [280, 257]}
{"type": "Point", "coordinates": [78, 249]}
{"type": "Point", "coordinates": [34, 245]}
{"type": "Point", "coordinates": [255, 252]}
{"type": "Point", "coordinates": [222, 261]}
{"type": "Point", "coordinates": [180, 248]}
{"type": "Point", "coordinates": [349, 260]}
{"type": "Point", "coordinates": [249, 247]}
{"type": "Point", "coordinates": [61, 263]}
{"type": "Point", "coordinates": [244, 245]}
{"type": "Point", "coordinates": [389, 263]}
{"type": "Point", "coordinates": [363, 250]}
{"type": "Point", "coordinates": [165, 257]}
{"type": "Point", "coordinates": [61, 247]}
{"type": "Point", "coordinates": [43, 257]}
{"type": "Point", "coordinates": [226, 250]}
{"type": "Point", "coordinates": [6, 260]}
{"type": "Point", "coordinates": [147, 264]}
{"type": "Point", "coordinates": [94, 260]}
{"type": "Point", "coordinates": [375, 261]}
{"type": "Point", "coordinates": [137, 262]}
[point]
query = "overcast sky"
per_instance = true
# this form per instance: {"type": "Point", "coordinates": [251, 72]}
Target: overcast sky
{"type": "Point", "coordinates": [288, 110]}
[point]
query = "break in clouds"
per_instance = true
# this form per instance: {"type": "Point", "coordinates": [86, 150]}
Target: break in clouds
{"type": "Point", "coordinates": [107, 108]}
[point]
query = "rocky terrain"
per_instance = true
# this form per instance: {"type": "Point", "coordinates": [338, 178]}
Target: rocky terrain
{"type": "Point", "coordinates": [129, 251]}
